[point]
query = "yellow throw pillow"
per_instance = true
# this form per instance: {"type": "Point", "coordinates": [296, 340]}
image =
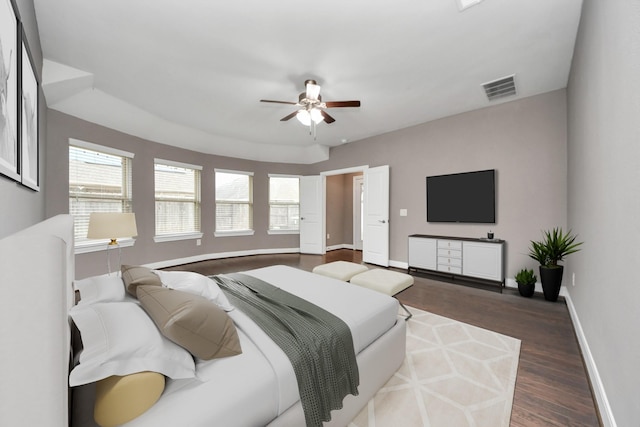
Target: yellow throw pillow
{"type": "Point", "coordinates": [120, 399]}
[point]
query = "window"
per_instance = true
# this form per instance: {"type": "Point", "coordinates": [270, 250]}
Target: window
{"type": "Point", "coordinates": [284, 203]}
{"type": "Point", "coordinates": [99, 181]}
{"type": "Point", "coordinates": [177, 188]}
{"type": "Point", "coordinates": [234, 202]}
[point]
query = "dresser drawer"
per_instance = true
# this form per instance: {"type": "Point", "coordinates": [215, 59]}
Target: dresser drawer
{"type": "Point", "coordinates": [449, 253]}
{"type": "Point", "coordinates": [453, 262]}
{"type": "Point", "coordinates": [450, 269]}
{"type": "Point", "coordinates": [450, 244]}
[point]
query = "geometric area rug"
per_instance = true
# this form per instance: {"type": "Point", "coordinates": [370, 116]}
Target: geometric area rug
{"type": "Point", "coordinates": [454, 374]}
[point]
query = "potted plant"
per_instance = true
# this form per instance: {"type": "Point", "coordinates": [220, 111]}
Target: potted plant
{"type": "Point", "coordinates": [555, 246]}
{"type": "Point", "coordinates": [526, 282]}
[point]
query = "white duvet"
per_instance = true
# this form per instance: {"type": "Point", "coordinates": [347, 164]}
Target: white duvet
{"type": "Point", "coordinates": [255, 387]}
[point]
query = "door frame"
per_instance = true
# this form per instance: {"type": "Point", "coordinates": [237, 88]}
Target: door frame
{"type": "Point", "coordinates": [324, 176]}
{"type": "Point", "coordinates": [357, 219]}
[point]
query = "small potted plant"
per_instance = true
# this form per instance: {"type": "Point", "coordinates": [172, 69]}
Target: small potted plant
{"type": "Point", "coordinates": [555, 246]}
{"type": "Point", "coordinates": [526, 280]}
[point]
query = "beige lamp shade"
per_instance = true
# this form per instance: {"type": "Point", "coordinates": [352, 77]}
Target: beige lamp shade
{"type": "Point", "coordinates": [111, 225]}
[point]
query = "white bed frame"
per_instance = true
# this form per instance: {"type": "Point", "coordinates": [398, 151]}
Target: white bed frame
{"type": "Point", "coordinates": [37, 282]}
{"type": "Point", "coordinates": [37, 267]}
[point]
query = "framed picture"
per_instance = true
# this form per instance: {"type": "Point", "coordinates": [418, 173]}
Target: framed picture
{"type": "Point", "coordinates": [9, 57]}
{"type": "Point", "coordinates": [29, 132]}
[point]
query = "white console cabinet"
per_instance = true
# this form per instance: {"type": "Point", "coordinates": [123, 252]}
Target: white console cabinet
{"type": "Point", "coordinates": [474, 259]}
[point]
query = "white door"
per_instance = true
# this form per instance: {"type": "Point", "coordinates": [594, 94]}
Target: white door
{"type": "Point", "coordinates": [358, 198]}
{"type": "Point", "coordinates": [311, 225]}
{"type": "Point", "coordinates": [376, 216]}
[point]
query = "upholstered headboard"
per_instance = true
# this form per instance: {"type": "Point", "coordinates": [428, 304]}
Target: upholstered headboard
{"type": "Point", "coordinates": [37, 270]}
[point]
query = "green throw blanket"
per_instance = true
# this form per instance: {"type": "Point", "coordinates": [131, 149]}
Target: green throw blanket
{"type": "Point", "coordinates": [318, 344]}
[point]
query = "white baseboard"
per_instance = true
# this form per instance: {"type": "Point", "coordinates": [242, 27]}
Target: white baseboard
{"type": "Point", "coordinates": [398, 264]}
{"type": "Point", "coordinates": [342, 246]}
{"type": "Point", "coordinates": [606, 414]}
{"type": "Point", "coordinates": [220, 255]}
{"type": "Point", "coordinates": [594, 377]}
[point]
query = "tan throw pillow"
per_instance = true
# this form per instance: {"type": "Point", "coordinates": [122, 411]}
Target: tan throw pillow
{"type": "Point", "coordinates": [191, 321]}
{"type": "Point", "coordinates": [134, 276]}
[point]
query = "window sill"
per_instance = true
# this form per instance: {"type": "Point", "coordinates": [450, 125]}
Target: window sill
{"type": "Point", "coordinates": [100, 245]}
{"type": "Point", "coordinates": [234, 233]}
{"type": "Point", "coordinates": [283, 232]}
{"type": "Point", "coordinates": [175, 237]}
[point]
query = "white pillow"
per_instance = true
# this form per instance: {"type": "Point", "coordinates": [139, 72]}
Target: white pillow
{"type": "Point", "coordinates": [195, 283]}
{"type": "Point", "coordinates": [120, 339]}
{"type": "Point", "coordinates": [100, 289]}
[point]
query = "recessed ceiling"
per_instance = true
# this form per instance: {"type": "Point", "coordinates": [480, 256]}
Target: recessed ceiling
{"type": "Point", "coordinates": [191, 74]}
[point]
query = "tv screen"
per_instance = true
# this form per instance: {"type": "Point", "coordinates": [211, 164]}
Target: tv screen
{"type": "Point", "coordinates": [462, 197]}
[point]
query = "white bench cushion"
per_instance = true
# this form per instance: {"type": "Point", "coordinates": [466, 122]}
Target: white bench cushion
{"type": "Point", "coordinates": [341, 270]}
{"type": "Point", "coordinates": [385, 281]}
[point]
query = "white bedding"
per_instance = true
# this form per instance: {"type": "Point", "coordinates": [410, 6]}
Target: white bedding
{"type": "Point", "coordinates": [255, 387]}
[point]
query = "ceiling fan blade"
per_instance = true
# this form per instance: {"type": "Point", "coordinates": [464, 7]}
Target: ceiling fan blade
{"type": "Point", "coordinates": [327, 118]}
{"type": "Point", "coordinates": [336, 104]}
{"type": "Point", "coordinates": [278, 102]}
{"type": "Point", "coordinates": [287, 117]}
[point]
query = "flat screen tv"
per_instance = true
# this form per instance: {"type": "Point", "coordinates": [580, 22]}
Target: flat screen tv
{"type": "Point", "coordinates": [462, 197]}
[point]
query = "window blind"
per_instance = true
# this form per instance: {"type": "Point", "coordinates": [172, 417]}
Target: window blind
{"type": "Point", "coordinates": [234, 201]}
{"type": "Point", "coordinates": [98, 182]}
{"type": "Point", "coordinates": [177, 196]}
{"type": "Point", "coordinates": [284, 203]}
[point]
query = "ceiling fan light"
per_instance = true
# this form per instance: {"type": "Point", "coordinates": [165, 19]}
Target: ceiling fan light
{"type": "Point", "coordinates": [304, 117]}
{"type": "Point", "coordinates": [316, 115]}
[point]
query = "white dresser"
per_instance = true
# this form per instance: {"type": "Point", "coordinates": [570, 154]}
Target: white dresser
{"type": "Point", "coordinates": [479, 260]}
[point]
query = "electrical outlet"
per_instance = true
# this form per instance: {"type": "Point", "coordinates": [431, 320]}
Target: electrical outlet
{"type": "Point", "coordinates": [573, 279]}
{"type": "Point", "coordinates": [198, 242]}
{"type": "Point", "coordinates": [328, 236]}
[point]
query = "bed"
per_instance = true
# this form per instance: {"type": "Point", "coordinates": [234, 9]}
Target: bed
{"type": "Point", "coordinates": [255, 388]}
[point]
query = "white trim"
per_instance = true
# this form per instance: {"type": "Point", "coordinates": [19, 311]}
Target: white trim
{"type": "Point", "coordinates": [100, 245]}
{"type": "Point", "coordinates": [599, 392]}
{"type": "Point", "coordinates": [281, 175]}
{"type": "Point", "coordinates": [101, 148]}
{"type": "Point", "coordinates": [345, 170]}
{"type": "Point", "coordinates": [231, 171]}
{"type": "Point", "coordinates": [342, 246]}
{"type": "Point", "coordinates": [603, 406]}
{"type": "Point", "coordinates": [399, 264]}
{"type": "Point", "coordinates": [176, 164]}
{"type": "Point", "coordinates": [175, 237]}
{"type": "Point", "coordinates": [283, 231]}
{"type": "Point", "coordinates": [234, 233]}
{"type": "Point", "coordinates": [220, 255]}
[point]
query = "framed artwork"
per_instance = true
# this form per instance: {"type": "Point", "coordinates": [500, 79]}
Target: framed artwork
{"type": "Point", "coordinates": [29, 132]}
{"type": "Point", "coordinates": [9, 153]}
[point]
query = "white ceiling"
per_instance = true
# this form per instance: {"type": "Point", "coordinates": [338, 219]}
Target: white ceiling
{"type": "Point", "coordinates": [191, 73]}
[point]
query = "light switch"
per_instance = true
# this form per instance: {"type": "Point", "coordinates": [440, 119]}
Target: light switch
{"type": "Point", "coordinates": [403, 212]}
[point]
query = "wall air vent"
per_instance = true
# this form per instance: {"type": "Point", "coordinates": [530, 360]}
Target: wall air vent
{"type": "Point", "coordinates": [505, 86]}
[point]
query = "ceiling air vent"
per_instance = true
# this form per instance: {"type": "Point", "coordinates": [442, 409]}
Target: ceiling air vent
{"type": "Point", "coordinates": [500, 88]}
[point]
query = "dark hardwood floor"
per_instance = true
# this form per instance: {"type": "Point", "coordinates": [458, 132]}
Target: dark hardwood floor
{"type": "Point", "coordinates": [552, 388]}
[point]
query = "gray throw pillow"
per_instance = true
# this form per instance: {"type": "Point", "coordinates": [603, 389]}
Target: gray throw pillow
{"type": "Point", "coordinates": [191, 321]}
{"type": "Point", "coordinates": [134, 276]}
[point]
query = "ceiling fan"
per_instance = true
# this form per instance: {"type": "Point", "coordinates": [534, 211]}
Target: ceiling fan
{"type": "Point", "coordinates": [312, 107]}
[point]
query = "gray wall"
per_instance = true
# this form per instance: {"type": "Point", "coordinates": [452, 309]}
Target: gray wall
{"type": "Point", "coordinates": [524, 140]}
{"type": "Point", "coordinates": [604, 194]}
{"type": "Point", "coordinates": [61, 127]}
{"type": "Point", "coordinates": [22, 207]}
